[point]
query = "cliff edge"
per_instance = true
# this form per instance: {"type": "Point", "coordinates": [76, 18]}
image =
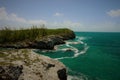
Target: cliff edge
{"type": "Point", "coordinates": [24, 64]}
{"type": "Point", "coordinates": [52, 38]}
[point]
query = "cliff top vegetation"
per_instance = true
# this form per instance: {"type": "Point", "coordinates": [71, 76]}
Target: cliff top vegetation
{"type": "Point", "coordinates": [8, 35]}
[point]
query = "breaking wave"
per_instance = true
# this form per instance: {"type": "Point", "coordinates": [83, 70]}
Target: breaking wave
{"type": "Point", "coordinates": [69, 47]}
{"type": "Point", "coordinates": [76, 51]}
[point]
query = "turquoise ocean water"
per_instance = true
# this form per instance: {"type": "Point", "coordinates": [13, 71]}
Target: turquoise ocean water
{"type": "Point", "coordinates": [90, 56]}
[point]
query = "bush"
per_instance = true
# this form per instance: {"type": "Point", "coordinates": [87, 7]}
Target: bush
{"type": "Point", "coordinates": [10, 36]}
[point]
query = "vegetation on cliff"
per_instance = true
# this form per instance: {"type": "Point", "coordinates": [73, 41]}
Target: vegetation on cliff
{"type": "Point", "coordinates": [8, 35]}
{"type": "Point", "coordinates": [37, 38]}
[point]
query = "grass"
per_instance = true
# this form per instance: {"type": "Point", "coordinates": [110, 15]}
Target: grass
{"type": "Point", "coordinates": [8, 35]}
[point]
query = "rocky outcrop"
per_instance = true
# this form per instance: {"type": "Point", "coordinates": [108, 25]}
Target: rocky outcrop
{"type": "Point", "coordinates": [70, 35]}
{"type": "Point", "coordinates": [47, 42]}
{"type": "Point", "coordinates": [24, 64]}
{"type": "Point", "coordinates": [62, 74]}
{"type": "Point", "coordinates": [10, 72]}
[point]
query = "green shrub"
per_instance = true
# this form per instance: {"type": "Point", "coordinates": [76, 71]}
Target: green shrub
{"type": "Point", "coordinates": [8, 35]}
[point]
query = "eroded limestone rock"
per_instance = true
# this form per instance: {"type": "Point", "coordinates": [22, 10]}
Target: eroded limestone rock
{"type": "Point", "coordinates": [24, 64]}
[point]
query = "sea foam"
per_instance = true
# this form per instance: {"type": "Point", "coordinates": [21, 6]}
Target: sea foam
{"type": "Point", "coordinates": [69, 47]}
{"type": "Point", "coordinates": [76, 51]}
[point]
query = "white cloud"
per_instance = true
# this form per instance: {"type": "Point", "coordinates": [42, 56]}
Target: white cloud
{"type": "Point", "coordinates": [71, 24]}
{"type": "Point", "coordinates": [58, 14]}
{"type": "Point", "coordinates": [101, 27]}
{"type": "Point", "coordinates": [95, 27]}
{"type": "Point", "coordinates": [9, 17]}
{"type": "Point", "coordinates": [37, 22]}
{"type": "Point", "coordinates": [114, 13]}
{"type": "Point", "coordinates": [14, 17]}
{"type": "Point", "coordinates": [65, 24]}
{"type": "Point", "coordinates": [4, 16]}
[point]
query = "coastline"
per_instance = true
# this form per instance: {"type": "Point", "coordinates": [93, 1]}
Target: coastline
{"type": "Point", "coordinates": [26, 64]}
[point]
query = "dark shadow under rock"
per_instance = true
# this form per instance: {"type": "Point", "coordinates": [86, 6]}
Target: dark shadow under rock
{"type": "Point", "coordinates": [10, 72]}
{"type": "Point", "coordinates": [62, 74]}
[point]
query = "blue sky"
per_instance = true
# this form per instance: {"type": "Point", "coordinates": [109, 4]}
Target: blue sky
{"type": "Point", "coordinates": [78, 15]}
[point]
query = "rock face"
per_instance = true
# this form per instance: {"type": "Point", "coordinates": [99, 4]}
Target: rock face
{"type": "Point", "coordinates": [47, 42]}
{"type": "Point", "coordinates": [50, 41]}
{"type": "Point", "coordinates": [24, 64]}
{"type": "Point", "coordinates": [10, 72]}
{"type": "Point", "coordinates": [62, 74]}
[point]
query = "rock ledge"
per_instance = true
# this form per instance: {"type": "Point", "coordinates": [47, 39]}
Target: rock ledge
{"type": "Point", "coordinates": [24, 64]}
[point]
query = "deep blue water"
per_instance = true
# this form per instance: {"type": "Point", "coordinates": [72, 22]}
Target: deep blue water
{"type": "Point", "coordinates": [90, 56]}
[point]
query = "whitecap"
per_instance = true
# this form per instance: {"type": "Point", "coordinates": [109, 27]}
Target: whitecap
{"type": "Point", "coordinates": [62, 58]}
{"type": "Point", "coordinates": [79, 39]}
{"type": "Point", "coordinates": [82, 38]}
{"type": "Point", "coordinates": [75, 50]}
{"type": "Point", "coordinates": [70, 42]}
{"type": "Point", "coordinates": [82, 52]}
{"type": "Point", "coordinates": [69, 47]}
{"type": "Point", "coordinates": [72, 48]}
{"type": "Point", "coordinates": [76, 53]}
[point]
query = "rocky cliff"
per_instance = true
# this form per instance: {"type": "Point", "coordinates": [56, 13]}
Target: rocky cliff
{"type": "Point", "coordinates": [24, 64]}
{"type": "Point", "coordinates": [47, 42]}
